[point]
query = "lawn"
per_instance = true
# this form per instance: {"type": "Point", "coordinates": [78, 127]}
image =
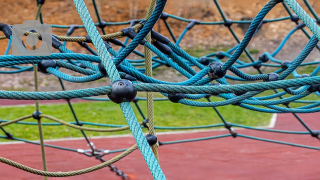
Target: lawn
{"type": "Point", "coordinates": [165, 112]}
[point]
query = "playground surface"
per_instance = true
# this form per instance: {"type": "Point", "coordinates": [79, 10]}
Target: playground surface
{"type": "Point", "coordinates": [225, 158]}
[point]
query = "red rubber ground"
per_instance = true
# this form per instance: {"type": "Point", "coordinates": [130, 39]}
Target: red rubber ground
{"type": "Point", "coordinates": [226, 158]}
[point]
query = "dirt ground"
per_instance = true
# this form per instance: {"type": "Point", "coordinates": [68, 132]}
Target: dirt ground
{"type": "Point", "coordinates": [63, 12]}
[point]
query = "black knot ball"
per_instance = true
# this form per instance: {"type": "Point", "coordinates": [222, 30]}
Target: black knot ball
{"type": "Point", "coordinates": [204, 60]}
{"type": "Point", "coordinates": [220, 55]}
{"type": "Point", "coordinates": [314, 88]}
{"type": "Point", "coordinates": [175, 98]}
{"type": "Point", "coordinates": [305, 75]}
{"type": "Point", "coordinates": [273, 76]}
{"type": "Point", "coordinates": [216, 70]}
{"type": "Point", "coordinates": [44, 64]}
{"type": "Point", "coordinates": [152, 139]}
{"type": "Point", "coordinates": [294, 18]}
{"type": "Point", "coordinates": [285, 65]}
{"type": "Point", "coordinates": [122, 91]}
{"type": "Point", "coordinates": [263, 58]}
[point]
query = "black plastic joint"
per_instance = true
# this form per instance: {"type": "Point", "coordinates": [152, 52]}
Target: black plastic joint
{"type": "Point", "coordinates": [286, 103]}
{"type": "Point", "coordinates": [129, 77]}
{"type": "Point", "coordinates": [9, 136]}
{"type": "Point", "coordinates": [279, 1]}
{"type": "Point", "coordinates": [45, 64]}
{"type": "Point", "coordinates": [263, 58]}
{"type": "Point", "coordinates": [72, 28]}
{"type": "Point", "coordinates": [102, 24]}
{"type": "Point", "coordinates": [301, 25]}
{"type": "Point", "coordinates": [83, 44]}
{"type": "Point", "coordinates": [318, 21]}
{"type": "Point", "coordinates": [79, 123]}
{"type": "Point", "coordinates": [192, 23]}
{"type": "Point", "coordinates": [228, 23]}
{"type": "Point", "coordinates": [36, 115]}
{"type": "Point", "coordinates": [204, 60]}
{"type": "Point", "coordinates": [294, 18]}
{"type": "Point", "coordinates": [273, 76]}
{"type": "Point", "coordinates": [228, 125]}
{"type": "Point", "coordinates": [151, 139]}
{"type": "Point", "coordinates": [41, 1]}
{"type": "Point", "coordinates": [216, 70]}
{"type": "Point", "coordinates": [220, 55]}
{"type": "Point", "coordinates": [108, 46]}
{"type": "Point", "coordinates": [162, 47]}
{"type": "Point", "coordinates": [175, 98]}
{"type": "Point", "coordinates": [164, 16]}
{"type": "Point", "coordinates": [145, 123]}
{"type": "Point", "coordinates": [304, 75]}
{"type": "Point", "coordinates": [143, 22]}
{"type": "Point", "coordinates": [6, 29]}
{"type": "Point", "coordinates": [285, 65]}
{"type": "Point", "coordinates": [116, 42]}
{"type": "Point", "coordinates": [314, 88]}
{"type": "Point", "coordinates": [315, 133]}
{"type": "Point", "coordinates": [55, 43]}
{"type": "Point", "coordinates": [122, 91]}
{"type": "Point", "coordinates": [133, 22]}
{"type": "Point", "coordinates": [135, 100]}
{"type": "Point", "coordinates": [129, 32]}
{"type": "Point", "coordinates": [159, 37]}
{"type": "Point", "coordinates": [88, 39]}
{"type": "Point", "coordinates": [257, 66]}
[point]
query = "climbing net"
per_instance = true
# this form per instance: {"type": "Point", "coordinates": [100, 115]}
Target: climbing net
{"type": "Point", "coordinates": [206, 76]}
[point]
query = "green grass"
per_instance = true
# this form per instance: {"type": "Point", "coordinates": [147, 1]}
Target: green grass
{"type": "Point", "coordinates": [166, 114]}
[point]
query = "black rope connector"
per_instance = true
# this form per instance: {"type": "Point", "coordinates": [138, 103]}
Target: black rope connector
{"type": "Point", "coordinates": [159, 37]}
{"type": "Point", "coordinates": [129, 77]}
{"type": "Point", "coordinates": [264, 21]}
{"type": "Point", "coordinates": [79, 123]}
{"type": "Point", "coordinates": [164, 16]}
{"type": "Point", "coordinates": [273, 76]}
{"type": "Point", "coordinates": [294, 18]}
{"type": "Point", "coordinates": [145, 122]}
{"type": "Point", "coordinates": [162, 47]}
{"type": "Point", "coordinates": [304, 75]}
{"type": "Point", "coordinates": [41, 1]}
{"type": "Point", "coordinates": [220, 55]}
{"type": "Point", "coordinates": [318, 21]}
{"type": "Point", "coordinates": [130, 33]}
{"type": "Point", "coordinates": [152, 139]}
{"type": "Point", "coordinates": [204, 60]}
{"type": "Point", "coordinates": [83, 44]}
{"type": "Point", "coordinates": [278, 1]}
{"type": "Point", "coordinates": [143, 22]}
{"type": "Point", "coordinates": [133, 22]}
{"type": "Point", "coordinates": [45, 64]}
{"type": "Point", "coordinates": [55, 42]}
{"type": "Point", "coordinates": [116, 42]}
{"type": "Point", "coordinates": [102, 24]}
{"type": "Point", "coordinates": [175, 98]}
{"type": "Point", "coordinates": [301, 25]}
{"type": "Point", "coordinates": [315, 133]}
{"type": "Point", "coordinates": [263, 58]}
{"type": "Point", "coordinates": [36, 115]}
{"type": "Point", "coordinates": [285, 65]}
{"type": "Point", "coordinates": [314, 88]}
{"type": "Point", "coordinates": [6, 29]}
{"type": "Point", "coordinates": [228, 23]}
{"type": "Point", "coordinates": [9, 136]}
{"type": "Point", "coordinates": [257, 66]}
{"type": "Point", "coordinates": [216, 70]}
{"type": "Point", "coordinates": [192, 23]}
{"type": "Point", "coordinates": [88, 39]}
{"type": "Point", "coordinates": [122, 91]}
{"type": "Point", "coordinates": [72, 28]}
{"type": "Point", "coordinates": [228, 126]}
